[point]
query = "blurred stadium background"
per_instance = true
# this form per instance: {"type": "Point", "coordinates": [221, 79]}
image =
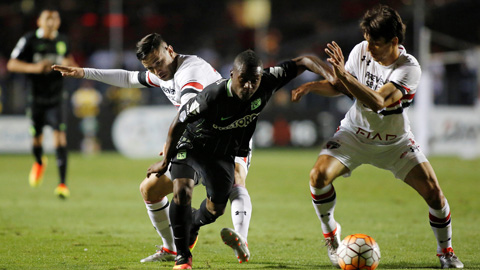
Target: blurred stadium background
{"type": "Point", "coordinates": [443, 34]}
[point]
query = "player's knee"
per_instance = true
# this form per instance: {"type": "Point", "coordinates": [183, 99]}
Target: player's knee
{"type": "Point", "coordinates": [434, 198]}
{"type": "Point", "coordinates": [144, 189]}
{"type": "Point", "coordinates": [318, 178]}
{"type": "Point", "coordinates": [216, 209]}
{"type": "Point", "coordinates": [183, 195]}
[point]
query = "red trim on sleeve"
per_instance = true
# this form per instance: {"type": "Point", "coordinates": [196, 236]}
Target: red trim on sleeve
{"type": "Point", "coordinates": [150, 81]}
{"type": "Point", "coordinates": [195, 85]}
{"type": "Point", "coordinates": [406, 88]}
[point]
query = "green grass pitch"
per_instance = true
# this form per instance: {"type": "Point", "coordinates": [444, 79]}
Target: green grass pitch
{"type": "Point", "coordinates": [104, 224]}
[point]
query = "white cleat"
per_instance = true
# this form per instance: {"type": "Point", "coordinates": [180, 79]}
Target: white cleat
{"type": "Point", "coordinates": [162, 255]}
{"type": "Point", "coordinates": [449, 260]}
{"type": "Point", "coordinates": [234, 240]}
{"type": "Point", "coordinates": [332, 244]}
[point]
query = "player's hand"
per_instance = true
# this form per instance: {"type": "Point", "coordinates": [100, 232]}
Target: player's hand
{"type": "Point", "coordinates": [43, 67]}
{"type": "Point", "coordinates": [74, 72]}
{"type": "Point", "coordinates": [336, 59]}
{"type": "Point", "coordinates": [159, 168]}
{"type": "Point", "coordinates": [298, 93]}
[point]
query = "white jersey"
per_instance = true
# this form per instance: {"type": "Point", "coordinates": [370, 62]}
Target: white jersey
{"type": "Point", "coordinates": [192, 75]}
{"type": "Point", "coordinates": [391, 123]}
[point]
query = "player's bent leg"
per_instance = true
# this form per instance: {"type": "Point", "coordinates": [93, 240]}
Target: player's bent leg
{"type": "Point", "coordinates": [154, 190]}
{"type": "Point", "coordinates": [325, 170]}
{"type": "Point", "coordinates": [60, 143]}
{"type": "Point", "coordinates": [422, 178]}
{"type": "Point", "coordinates": [206, 214]}
{"type": "Point", "coordinates": [241, 204]}
{"type": "Point", "coordinates": [35, 176]}
{"type": "Point", "coordinates": [181, 219]}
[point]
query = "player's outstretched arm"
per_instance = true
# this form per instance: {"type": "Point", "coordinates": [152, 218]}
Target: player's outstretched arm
{"type": "Point", "coordinates": [69, 71]}
{"type": "Point", "coordinates": [169, 149]}
{"type": "Point", "coordinates": [323, 87]}
{"type": "Point", "coordinates": [315, 65]}
{"type": "Point", "coordinates": [19, 66]}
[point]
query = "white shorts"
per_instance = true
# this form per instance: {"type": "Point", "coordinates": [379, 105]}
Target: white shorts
{"type": "Point", "coordinates": [245, 161]}
{"type": "Point", "coordinates": [399, 157]}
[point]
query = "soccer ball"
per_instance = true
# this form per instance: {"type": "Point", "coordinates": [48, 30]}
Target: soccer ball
{"type": "Point", "coordinates": [358, 251]}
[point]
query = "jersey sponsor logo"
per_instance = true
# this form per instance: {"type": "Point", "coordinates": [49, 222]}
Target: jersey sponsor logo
{"type": "Point", "coordinates": [182, 154]}
{"type": "Point", "coordinates": [374, 81]}
{"type": "Point", "coordinates": [242, 122]}
{"type": "Point", "coordinates": [256, 103]}
{"type": "Point", "coordinates": [375, 136]}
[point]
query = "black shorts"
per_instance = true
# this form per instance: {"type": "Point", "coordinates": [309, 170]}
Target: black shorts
{"type": "Point", "coordinates": [53, 116]}
{"type": "Point", "coordinates": [218, 173]}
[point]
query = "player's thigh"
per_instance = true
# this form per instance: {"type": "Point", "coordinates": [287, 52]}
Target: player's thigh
{"type": "Point", "coordinates": [154, 188]}
{"type": "Point", "coordinates": [325, 170]}
{"type": "Point", "coordinates": [219, 175]}
{"type": "Point", "coordinates": [38, 117]}
{"type": "Point", "coordinates": [422, 178]}
{"type": "Point", "coordinates": [240, 174]}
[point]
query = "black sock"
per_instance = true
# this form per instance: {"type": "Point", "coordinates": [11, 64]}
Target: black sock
{"type": "Point", "coordinates": [62, 162]}
{"type": "Point", "coordinates": [37, 153]}
{"type": "Point", "coordinates": [181, 220]}
{"type": "Point", "coordinates": [201, 217]}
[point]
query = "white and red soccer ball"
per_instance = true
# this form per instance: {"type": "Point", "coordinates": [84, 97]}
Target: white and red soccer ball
{"type": "Point", "coordinates": [358, 252]}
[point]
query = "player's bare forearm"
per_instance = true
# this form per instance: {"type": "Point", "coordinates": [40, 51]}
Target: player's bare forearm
{"type": "Point", "coordinates": [315, 65]}
{"type": "Point", "coordinates": [366, 95]}
{"type": "Point", "coordinates": [19, 66]}
{"type": "Point", "coordinates": [174, 133]}
{"type": "Point", "coordinates": [323, 88]}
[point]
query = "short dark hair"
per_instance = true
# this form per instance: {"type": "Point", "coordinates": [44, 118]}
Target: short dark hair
{"type": "Point", "coordinates": [383, 21]}
{"type": "Point", "coordinates": [249, 59]}
{"type": "Point", "coordinates": [148, 44]}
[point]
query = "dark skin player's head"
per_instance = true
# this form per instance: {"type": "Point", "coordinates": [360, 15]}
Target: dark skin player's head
{"type": "Point", "coordinates": [246, 74]}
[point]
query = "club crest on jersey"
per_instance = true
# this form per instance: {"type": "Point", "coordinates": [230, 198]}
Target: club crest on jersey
{"type": "Point", "coordinates": [256, 103]}
{"type": "Point", "coordinates": [182, 155]}
{"type": "Point", "coordinates": [61, 48]}
{"type": "Point", "coordinates": [332, 145]}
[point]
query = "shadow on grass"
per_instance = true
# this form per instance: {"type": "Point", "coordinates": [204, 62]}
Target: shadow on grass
{"type": "Point", "coordinates": [273, 265]}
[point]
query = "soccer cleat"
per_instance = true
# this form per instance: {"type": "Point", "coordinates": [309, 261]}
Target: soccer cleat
{"type": "Point", "coordinates": [162, 255]}
{"type": "Point", "coordinates": [36, 173]}
{"type": "Point", "coordinates": [62, 191]}
{"type": "Point", "coordinates": [183, 262]}
{"type": "Point", "coordinates": [234, 240]}
{"type": "Point", "coordinates": [448, 259]}
{"type": "Point", "coordinates": [192, 246]}
{"type": "Point", "coordinates": [332, 242]}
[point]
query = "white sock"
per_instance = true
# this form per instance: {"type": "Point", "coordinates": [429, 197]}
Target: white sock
{"type": "Point", "coordinates": [158, 213]}
{"type": "Point", "coordinates": [324, 200]}
{"type": "Point", "coordinates": [440, 222]}
{"type": "Point", "coordinates": [241, 207]}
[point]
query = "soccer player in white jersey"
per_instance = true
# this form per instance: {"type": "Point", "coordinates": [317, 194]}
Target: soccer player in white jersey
{"type": "Point", "coordinates": [180, 77]}
{"type": "Point", "coordinates": [383, 79]}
